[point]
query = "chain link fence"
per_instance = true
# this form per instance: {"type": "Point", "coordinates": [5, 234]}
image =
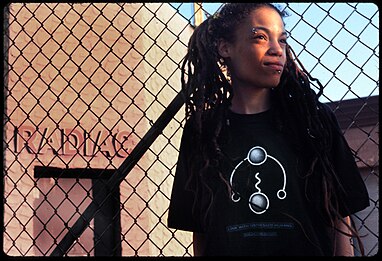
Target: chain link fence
{"type": "Point", "coordinates": [92, 121]}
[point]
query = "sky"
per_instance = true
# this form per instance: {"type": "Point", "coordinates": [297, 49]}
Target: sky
{"type": "Point", "coordinates": [338, 43]}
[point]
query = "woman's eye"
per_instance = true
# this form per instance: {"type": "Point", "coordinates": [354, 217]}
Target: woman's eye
{"type": "Point", "coordinates": [284, 41]}
{"type": "Point", "coordinates": [261, 37]}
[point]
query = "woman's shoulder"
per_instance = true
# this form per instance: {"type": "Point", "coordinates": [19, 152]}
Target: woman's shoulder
{"type": "Point", "coordinates": [326, 111]}
{"type": "Point", "coordinates": [325, 108]}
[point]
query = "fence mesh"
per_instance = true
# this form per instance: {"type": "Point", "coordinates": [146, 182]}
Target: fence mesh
{"type": "Point", "coordinates": [85, 82]}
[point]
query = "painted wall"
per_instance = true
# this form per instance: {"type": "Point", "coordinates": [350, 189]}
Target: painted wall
{"type": "Point", "coordinates": [85, 83]}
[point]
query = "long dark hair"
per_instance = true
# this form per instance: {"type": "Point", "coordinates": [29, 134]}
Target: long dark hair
{"type": "Point", "coordinates": [296, 106]}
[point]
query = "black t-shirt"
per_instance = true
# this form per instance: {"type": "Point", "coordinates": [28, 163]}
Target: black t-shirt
{"type": "Point", "coordinates": [267, 211]}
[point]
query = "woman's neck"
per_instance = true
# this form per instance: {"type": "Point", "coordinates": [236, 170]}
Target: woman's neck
{"type": "Point", "coordinates": [250, 100]}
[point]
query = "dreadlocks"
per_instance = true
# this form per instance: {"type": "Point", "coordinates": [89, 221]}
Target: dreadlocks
{"type": "Point", "coordinates": [298, 112]}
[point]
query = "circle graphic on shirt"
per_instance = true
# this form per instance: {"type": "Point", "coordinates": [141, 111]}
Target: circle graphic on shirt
{"type": "Point", "coordinates": [257, 156]}
{"type": "Point", "coordinates": [258, 202]}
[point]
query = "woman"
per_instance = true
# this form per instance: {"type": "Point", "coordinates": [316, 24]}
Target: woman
{"type": "Point", "coordinates": [263, 167]}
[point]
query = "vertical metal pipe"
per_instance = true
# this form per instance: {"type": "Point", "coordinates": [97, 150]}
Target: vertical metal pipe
{"type": "Point", "coordinates": [198, 13]}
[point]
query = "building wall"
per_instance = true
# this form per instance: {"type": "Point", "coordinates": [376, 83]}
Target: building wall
{"type": "Point", "coordinates": [69, 96]}
{"type": "Point", "coordinates": [364, 142]}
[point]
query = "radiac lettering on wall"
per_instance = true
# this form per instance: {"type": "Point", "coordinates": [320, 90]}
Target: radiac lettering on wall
{"type": "Point", "coordinates": [71, 141]}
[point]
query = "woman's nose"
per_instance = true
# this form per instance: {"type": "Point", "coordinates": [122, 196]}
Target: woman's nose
{"type": "Point", "coordinates": [275, 48]}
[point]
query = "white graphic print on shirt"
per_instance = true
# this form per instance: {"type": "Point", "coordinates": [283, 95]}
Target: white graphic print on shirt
{"type": "Point", "coordinates": [258, 202]}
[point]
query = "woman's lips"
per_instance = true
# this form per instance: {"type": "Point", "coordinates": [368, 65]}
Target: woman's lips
{"type": "Point", "coordinates": [274, 66]}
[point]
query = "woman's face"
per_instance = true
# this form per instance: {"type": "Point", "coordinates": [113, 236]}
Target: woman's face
{"type": "Point", "coordinates": [257, 55]}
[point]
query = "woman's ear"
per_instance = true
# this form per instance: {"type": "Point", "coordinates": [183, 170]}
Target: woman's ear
{"type": "Point", "coordinates": [223, 48]}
